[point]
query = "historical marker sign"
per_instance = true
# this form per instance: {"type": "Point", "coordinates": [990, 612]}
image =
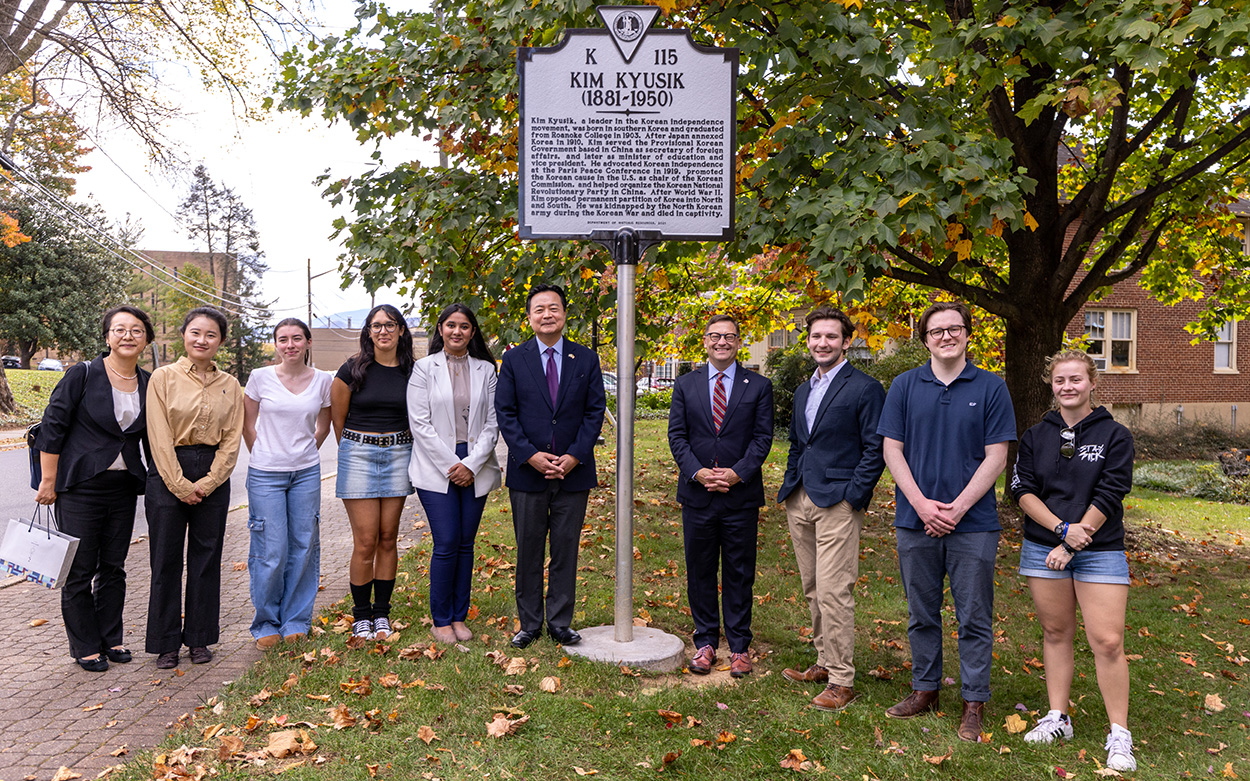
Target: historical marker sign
{"type": "Point", "coordinates": [627, 127]}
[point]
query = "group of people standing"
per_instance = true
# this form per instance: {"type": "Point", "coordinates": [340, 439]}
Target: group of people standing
{"type": "Point", "coordinates": [943, 429]}
{"type": "Point", "coordinates": [431, 426]}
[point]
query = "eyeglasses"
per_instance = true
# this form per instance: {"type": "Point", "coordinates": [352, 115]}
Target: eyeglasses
{"type": "Point", "coordinates": [721, 337]}
{"type": "Point", "coordinates": [955, 331]}
{"type": "Point", "coordinates": [1067, 448]}
{"type": "Point", "coordinates": [133, 333]}
{"type": "Point", "coordinates": [378, 328]}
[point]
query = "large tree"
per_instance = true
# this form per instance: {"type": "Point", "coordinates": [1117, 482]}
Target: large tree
{"type": "Point", "coordinates": [1021, 155]}
{"type": "Point", "coordinates": [55, 287]}
{"type": "Point", "coordinates": [114, 58]}
{"type": "Point", "coordinates": [217, 220]}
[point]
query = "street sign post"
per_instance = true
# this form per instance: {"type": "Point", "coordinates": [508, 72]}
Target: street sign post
{"type": "Point", "coordinates": [627, 138]}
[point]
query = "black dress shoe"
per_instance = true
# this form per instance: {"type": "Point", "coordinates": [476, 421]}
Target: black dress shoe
{"type": "Point", "coordinates": [200, 655]}
{"type": "Point", "coordinates": [167, 660]}
{"type": "Point", "coordinates": [523, 638]}
{"type": "Point", "coordinates": [96, 665]}
{"type": "Point", "coordinates": [119, 655]}
{"type": "Point", "coordinates": [563, 635]}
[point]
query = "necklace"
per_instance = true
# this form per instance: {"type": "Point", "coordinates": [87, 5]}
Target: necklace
{"type": "Point", "coordinates": [108, 366]}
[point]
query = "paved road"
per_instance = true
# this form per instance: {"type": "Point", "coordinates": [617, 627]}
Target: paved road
{"type": "Point", "coordinates": [17, 499]}
{"type": "Point", "coordinates": [57, 715]}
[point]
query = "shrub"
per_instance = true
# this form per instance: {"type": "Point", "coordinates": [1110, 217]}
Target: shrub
{"type": "Point", "coordinates": [1184, 478]}
{"type": "Point", "coordinates": [1199, 441]}
{"type": "Point", "coordinates": [885, 367]}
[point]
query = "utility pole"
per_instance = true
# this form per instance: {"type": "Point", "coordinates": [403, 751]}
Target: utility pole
{"type": "Point", "coordinates": [311, 277]}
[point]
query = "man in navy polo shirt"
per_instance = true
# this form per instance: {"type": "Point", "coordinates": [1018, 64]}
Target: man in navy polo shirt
{"type": "Point", "coordinates": [946, 428]}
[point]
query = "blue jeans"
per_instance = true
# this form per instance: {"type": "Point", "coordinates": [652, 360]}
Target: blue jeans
{"type": "Point", "coordinates": [454, 518]}
{"type": "Point", "coordinates": [284, 561]}
{"type": "Point", "coordinates": [968, 560]}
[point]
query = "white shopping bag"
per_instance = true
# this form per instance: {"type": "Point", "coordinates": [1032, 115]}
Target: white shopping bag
{"type": "Point", "coordinates": [35, 550]}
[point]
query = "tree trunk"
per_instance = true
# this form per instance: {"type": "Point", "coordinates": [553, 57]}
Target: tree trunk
{"type": "Point", "coordinates": [1029, 342]}
{"type": "Point", "coordinates": [26, 351]}
{"type": "Point", "coordinates": [8, 405]}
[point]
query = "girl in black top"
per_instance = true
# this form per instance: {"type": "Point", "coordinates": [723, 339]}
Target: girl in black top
{"type": "Point", "coordinates": [92, 471]}
{"type": "Point", "coordinates": [369, 409]}
{"type": "Point", "coordinates": [1071, 476]}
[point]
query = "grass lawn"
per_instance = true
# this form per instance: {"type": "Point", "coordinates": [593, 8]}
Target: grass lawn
{"type": "Point", "coordinates": [423, 713]}
{"type": "Point", "coordinates": [31, 389]}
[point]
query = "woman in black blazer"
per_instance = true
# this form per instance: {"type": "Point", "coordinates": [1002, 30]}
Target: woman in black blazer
{"type": "Point", "coordinates": [92, 472]}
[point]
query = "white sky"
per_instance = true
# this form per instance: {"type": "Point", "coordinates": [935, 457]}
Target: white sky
{"type": "Point", "coordinates": [271, 165]}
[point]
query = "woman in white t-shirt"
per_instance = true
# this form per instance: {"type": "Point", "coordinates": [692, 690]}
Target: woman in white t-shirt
{"type": "Point", "coordinates": [286, 418]}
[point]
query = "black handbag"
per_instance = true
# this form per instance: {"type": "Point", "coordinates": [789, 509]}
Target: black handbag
{"type": "Point", "coordinates": [32, 436]}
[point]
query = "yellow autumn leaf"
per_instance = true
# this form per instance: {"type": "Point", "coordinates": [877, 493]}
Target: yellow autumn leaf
{"type": "Point", "coordinates": [1015, 724]}
{"type": "Point", "coordinates": [1029, 222]}
{"type": "Point", "coordinates": [1006, 20]}
{"type": "Point", "coordinates": [903, 201]}
{"type": "Point", "coordinates": [963, 249]}
{"type": "Point", "coordinates": [953, 231]}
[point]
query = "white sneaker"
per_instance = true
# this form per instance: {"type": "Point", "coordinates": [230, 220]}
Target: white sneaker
{"type": "Point", "coordinates": [381, 625]}
{"type": "Point", "coordinates": [1120, 749]}
{"type": "Point", "coordinates": [363, 628]}
{"type": "Point", "coordinates": [1052, 726]}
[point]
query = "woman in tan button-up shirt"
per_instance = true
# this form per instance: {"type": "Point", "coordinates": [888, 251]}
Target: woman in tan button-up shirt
{"type": "Point", "coordinates": [195, 419]}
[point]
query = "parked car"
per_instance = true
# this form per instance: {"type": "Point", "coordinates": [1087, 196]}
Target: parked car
{"type": "Point", "coordinates": [11, 362]}
{"type": "Point", "coordinates": [609, 383]}
{"type": "Point", "coordinates": [654, 384]}
{"type": "Point", "coordinates": [51, 365]}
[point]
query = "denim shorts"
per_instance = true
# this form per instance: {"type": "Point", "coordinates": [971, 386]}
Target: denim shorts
{"type": "Point", "coordinates": [372, 472]}
{"type": "Point", "coordinates": [1087, 566]}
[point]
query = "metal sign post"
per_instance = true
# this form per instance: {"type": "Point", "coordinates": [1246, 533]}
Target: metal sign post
{"type": "Point", "coordinates": [627, 138]}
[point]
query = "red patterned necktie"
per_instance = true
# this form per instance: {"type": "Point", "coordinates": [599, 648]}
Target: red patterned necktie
{"type": "Point", "coordinates": [719, 401]}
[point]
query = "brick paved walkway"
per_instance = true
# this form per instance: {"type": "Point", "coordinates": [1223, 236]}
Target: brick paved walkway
{"type": "Point", "coordinates": [55, 714]}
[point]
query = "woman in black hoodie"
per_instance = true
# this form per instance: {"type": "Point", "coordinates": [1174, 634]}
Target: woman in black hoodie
{"type": "Point", "coordinates": [1071, 476]}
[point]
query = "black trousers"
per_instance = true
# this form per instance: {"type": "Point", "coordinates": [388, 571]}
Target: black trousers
{"type": "Point", "coordinates": [724, 539]}
{"type": "Point", "coordinates": [100, 512]}
{"type": "Point", "coordinates": [173, 524]}
{"type": "Point", "coordinates": [535, 515]}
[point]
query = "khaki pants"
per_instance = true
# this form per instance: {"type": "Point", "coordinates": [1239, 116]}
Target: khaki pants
{"type": "Point", "coordinates": [826, 547]}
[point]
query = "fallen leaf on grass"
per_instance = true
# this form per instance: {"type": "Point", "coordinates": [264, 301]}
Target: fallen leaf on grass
{"type": "Point", "coordinates": [550, 684]}
{"type": "Point", "coordinates": [412, 652]}
{"type": "Point", "coordinates": [426, 734]}
{"type": "Point", "coordinates": [725, 737]}
{"type": "Point", "coordinates": [1107, 772]}
{"type": "Point", "coordinates": [1213, 703]}
{"type": "Point", "coordinates": [1015, 724]}
{"type": "Point", "coordinates": [260, 697]}
{"type": "Point", "coordinates": [363, 687]}
{"type": "Point", "coordinates": [372, 770]}
{"type": "Point", "coordinates": [211, 731]}
{"type": "Point", "coordinates": [288, 742]}
{"type": "Point", "coordinates": [432, 651]}
{"type": "Point", "coordinates": [230, 745]}
{"type": "Point", "coordinates": [341, 717]}
{"type": "Point", "coordinates": [692, 722]}
{"type": "Point", "coordinates": [501, 725]}
{"type": "Point", "coordinates": [516, 665]}
{"type": "Point", "coordinates": [879, 739]}
{"type": "Point", "coordinates": [253, 721]}
{"type": "Point", "coordinates": [796, 760]}
{"type": "Point", "coordinates": [700, 743]}
{"type": "Point", "coordinates": [668, 759]}
{"type": "Point", "coordinates": [389, 681]}
{"type": "Point", "coordinates": [322, 697]}
{"type": "Point", "coordinates": [939, 759]}
{"type": "Point", "coordinates": [564, 662]}
{"type": "Point", "coordinates": [1217, 749]}
{"type": "Point", "coordinates": [1227, 772]}
{"type": "Point", "coordinates": [585, 771]}
{"type": "Point", "coordinates": [515, 689]}
{"type": "Point", "coordinates": [671, 717]}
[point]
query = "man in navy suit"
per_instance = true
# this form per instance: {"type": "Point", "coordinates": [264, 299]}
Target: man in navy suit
{"type": "Point", "coordinates": [549, 403]}
{"type": "Point", "coordinates": [834, 464]}
{"type": "Point", "coordinates": [720, 429]}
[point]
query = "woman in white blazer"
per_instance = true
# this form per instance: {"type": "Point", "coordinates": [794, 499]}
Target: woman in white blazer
{"type": "Point", "coordinates": [451, 410]}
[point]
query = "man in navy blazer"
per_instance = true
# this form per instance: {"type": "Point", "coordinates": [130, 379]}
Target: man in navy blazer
{"type": "Point", "coordinates": [834, 464]}
{"type": "Point", "coordinates": [549, 403]}
{"type": "Point", "coordinates": [720, 429]}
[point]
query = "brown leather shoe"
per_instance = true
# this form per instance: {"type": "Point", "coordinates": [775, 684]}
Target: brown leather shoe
{"type": "Point", "coordinates": [812, 674]}
{"type": "Point", "coordinates": [834, 697]}
{"type": "Point", "coordinates": [740, 664]}
{"type": "Point", "coordinates": [267, 642]}
{"type": "Point", "coordinates": [914, 704]}
{"type": "Point", "coordinates": [970, 721]}
{"type": "Point", "coordinates": [703, 660]}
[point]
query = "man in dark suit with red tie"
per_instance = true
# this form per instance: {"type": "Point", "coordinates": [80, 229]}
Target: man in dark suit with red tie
{"type": "Point", "coordinates": [549, 404]}
{"type": "Point", "coordinates": [720, 429]}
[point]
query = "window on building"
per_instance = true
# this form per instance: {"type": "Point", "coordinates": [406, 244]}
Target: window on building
{"type": "Point", "coordinates": [1226, 347]}
{"type": "Point", "coordinates": [782, 338]}
{"type": "Point", "coordinates": [1111, 339]}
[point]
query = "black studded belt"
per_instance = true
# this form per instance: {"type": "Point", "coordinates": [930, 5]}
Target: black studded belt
{"type": "Point", "coordinates": [380, 440]}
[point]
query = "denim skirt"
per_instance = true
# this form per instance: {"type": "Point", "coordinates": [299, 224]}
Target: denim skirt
{"type": "Point", "coordinates": [372, 472]}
